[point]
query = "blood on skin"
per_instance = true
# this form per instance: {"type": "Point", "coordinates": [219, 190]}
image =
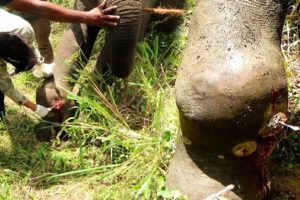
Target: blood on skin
{"type": "Point", "coordinates": [58, 106]}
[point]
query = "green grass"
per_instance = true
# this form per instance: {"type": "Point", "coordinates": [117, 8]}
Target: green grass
{"type": "Point", "coordinates": [124, 138]}
{"type": "Point", "coordinates": [288, 151]}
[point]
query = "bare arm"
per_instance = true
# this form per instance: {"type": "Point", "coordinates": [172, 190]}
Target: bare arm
{"type": "Point", "coordinates": [99, 16]}
{"type": "Point", "coordinates": [30, 105]}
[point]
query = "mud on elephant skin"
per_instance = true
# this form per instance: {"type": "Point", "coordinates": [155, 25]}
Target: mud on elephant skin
{"type": "Point", "coordinates": [116, 57]}
{"type": "Point", "coordinates": [230, 84]}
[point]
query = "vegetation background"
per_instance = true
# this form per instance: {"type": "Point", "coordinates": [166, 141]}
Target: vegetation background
{"type": "Point", "coordinates": [121, 144]}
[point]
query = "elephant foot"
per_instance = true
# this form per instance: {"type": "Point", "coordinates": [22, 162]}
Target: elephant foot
{"type": "Point", "coordinates": [199, 174]}
{"type": "Point", "coordinates": [207, 166]}
{"type": "Point", "coordinates": [185, 175]}
{"type": "Point", "coordinates": [45, 132]}
{"type": "Point", "coordinates": [50, 129]}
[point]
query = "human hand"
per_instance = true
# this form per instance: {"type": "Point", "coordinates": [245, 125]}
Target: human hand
{"type": "Point", "coordinates": [42, 111]}
{"type": "Point", "coordinates": [102, 16]}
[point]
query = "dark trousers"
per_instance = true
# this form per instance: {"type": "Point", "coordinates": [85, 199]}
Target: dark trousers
{"type": "Point", "coordinates": [2, 108]}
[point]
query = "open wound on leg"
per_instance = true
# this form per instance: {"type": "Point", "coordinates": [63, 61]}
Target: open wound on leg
{"type": "Point", "coordinates": [244, 149]}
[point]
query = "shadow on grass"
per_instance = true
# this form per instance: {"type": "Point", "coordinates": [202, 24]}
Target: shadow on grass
{"type": "Point", "coordinates": [29, 160]}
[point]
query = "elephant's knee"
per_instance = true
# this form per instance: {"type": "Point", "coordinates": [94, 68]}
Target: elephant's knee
{"type": "Point", "coordinates": [206, 94]}
{"type": "Point", "coordinates": [230, 101]}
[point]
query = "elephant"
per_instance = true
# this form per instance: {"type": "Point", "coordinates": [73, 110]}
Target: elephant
{"type": "Point", "coordinates": [230, 85]}
{"type": "Point", "coordinates": [116, 57]}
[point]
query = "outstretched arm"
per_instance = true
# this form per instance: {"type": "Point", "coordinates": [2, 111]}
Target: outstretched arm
{"type": "Point", "coordinates": [99, 16]}
{"type": "Point", "coordinates": [7, 87]}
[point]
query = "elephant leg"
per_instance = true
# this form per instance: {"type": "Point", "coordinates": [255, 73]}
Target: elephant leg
{"type": "Point", "coordinates": [76, 44]}
{"type": "Point", "coordinates": [231, 83]}
{"type": "Point", "coordinates": [48, 94]}
{"type": "Point", "coordinates": [74, 50]}
{"type": "Point", "coordinates": [192, 178]}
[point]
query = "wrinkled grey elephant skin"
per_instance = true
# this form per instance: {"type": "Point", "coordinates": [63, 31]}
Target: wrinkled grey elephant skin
{"type": "Point", "coordinates": [230, 84]}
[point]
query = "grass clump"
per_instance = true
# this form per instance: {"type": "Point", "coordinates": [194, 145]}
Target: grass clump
{"type": "Point", "coordinates": [133, 123]}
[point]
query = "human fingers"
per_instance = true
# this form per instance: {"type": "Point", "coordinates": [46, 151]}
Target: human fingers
{"type": "Point", "coordinates": [110, 10]}
{"type": "Point", "coordinates": [113, 18]}
{"type": "Point", "coordinates": [109, 23]}
{"type": "Point", "coordinates": [102, 5]}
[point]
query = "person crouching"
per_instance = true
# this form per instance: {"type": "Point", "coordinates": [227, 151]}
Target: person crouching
{"type": "Point", "coordinates": [15, 50]}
